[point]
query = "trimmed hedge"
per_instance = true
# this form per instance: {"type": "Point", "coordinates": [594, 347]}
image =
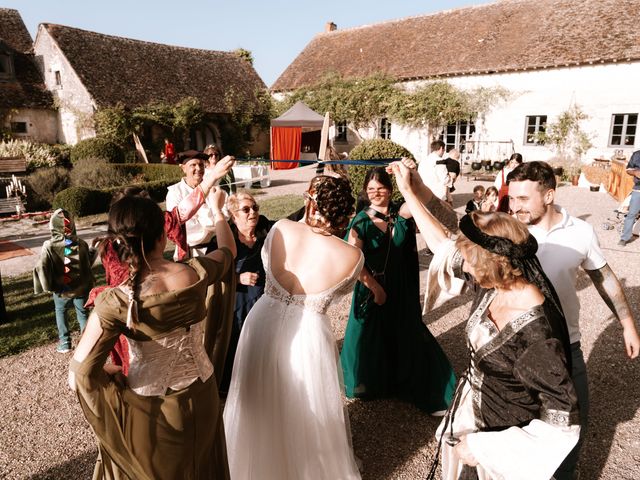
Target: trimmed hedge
{"type": "Point", "coordinates": [82, 201]}
{"type": "Point", "coordinates": [151, 172]}
{"type": "Point", "coordinates": [373, 150]}
{"type": "Point", "coordinates": [44, 184]}
{"type": "Point", "coordinates": [97, 148]}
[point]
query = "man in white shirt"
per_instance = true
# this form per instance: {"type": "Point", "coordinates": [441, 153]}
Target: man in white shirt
{"type": "Point", "coordinates": [564, 244]}
{"type": "Point", "coordinates": [201, 227]}
{"type": "Point", "coordinates": [433, 175]}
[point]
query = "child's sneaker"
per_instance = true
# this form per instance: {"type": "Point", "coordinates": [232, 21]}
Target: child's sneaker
{"type": "Point", "coordinates": [63, 348]}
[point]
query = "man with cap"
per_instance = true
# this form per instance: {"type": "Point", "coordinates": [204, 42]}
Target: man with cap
{"type": "Point", "coordinates": [200, 227]}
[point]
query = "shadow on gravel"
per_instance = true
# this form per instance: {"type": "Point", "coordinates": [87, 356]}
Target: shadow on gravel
{"type": "Point", "coordinates": [614, 396]}
{"type": "Point", "coordinates": [388, 433]}
{"type": "Point", "coordinates": [78, 467]}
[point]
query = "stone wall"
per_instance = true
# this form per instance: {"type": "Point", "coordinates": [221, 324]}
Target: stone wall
{"type": "Point", "coordinates": [75, 105]}
{"type": "Point", "coordinates": [41, 124]}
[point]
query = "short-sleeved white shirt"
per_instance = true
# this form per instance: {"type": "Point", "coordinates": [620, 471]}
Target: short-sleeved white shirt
{"type": "Point", "coordinates": [570, 244]}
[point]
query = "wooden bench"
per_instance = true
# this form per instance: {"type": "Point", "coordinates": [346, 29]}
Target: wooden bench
{"type": "Point", "coordinates": [12, 165]}
{"type": "Point", "coordinates": [8, 205]}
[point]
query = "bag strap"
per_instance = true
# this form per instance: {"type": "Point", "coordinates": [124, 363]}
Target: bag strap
{"type": "Point", "coordinates": [391, 220]}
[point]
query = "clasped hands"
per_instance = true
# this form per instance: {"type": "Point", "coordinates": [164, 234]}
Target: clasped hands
{"type": "Point", "coordinates": [405, 172]}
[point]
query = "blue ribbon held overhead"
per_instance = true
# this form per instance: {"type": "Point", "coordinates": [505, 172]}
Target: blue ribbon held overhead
{"type": "Point", "coordinates": [365, 163]}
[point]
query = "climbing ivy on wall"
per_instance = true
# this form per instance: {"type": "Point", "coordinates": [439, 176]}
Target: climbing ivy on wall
{"type": "Point", "coordinates": [117, 123]}
{"type": "Point", "coordinates": [363, 101]}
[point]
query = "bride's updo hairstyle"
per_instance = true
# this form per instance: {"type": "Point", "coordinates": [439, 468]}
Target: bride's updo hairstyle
{"type": "Point", "coordinates": [135, 225]}
{"type": "Point", "coordinates": [334, 203]}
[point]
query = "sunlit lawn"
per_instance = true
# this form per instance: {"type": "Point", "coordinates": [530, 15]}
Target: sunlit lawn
{"type": "Point", "coordinates": [31, 318]}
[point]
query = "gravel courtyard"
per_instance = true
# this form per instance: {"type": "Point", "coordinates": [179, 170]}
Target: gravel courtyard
{"type": "Point", "coordinates": [44, 435]}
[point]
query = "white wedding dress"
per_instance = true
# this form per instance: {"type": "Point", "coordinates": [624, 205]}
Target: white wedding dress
{"type": "Point", "coordinates": [284, 417]}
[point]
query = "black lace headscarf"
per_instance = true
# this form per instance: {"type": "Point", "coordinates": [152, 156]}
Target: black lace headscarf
{"type": "Point", "coordinates": [523, 257]}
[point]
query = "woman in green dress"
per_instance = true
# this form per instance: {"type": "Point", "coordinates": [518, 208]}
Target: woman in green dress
{"type": "Point", "coordinates": [164, 421]}
{"type": "Point", "coordinates": [388, 351]}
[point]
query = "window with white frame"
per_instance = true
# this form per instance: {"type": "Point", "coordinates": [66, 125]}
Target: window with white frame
{"type": "Point", "coordinates": [385, 129]}
{"type": "Point", "coordinates": [455, 135]}
{"type": "Point", "coordinates": [58, 78]}
{"type": "Point", "coordinates": [534, 126]}
{"type": "Point", "coordinates": [623, 129]}
{"type": "Point", "coordinates": [341, 131]}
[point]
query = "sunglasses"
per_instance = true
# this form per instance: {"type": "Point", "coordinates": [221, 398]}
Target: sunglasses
{"type": "Point", "coordinates": [246, 209]}
{"type": "Point", "coordinates": [377, 190]}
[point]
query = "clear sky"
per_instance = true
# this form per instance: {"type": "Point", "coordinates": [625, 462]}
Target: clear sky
{"type": "Point", "coordinates": [275, 31]}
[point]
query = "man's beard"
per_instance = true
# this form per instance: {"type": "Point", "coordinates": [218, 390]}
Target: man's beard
{"type": "Point", "coordinates": [527, 217]}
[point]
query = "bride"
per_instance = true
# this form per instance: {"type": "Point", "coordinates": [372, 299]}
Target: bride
{"type": "Point", "coordinates": [284, 417]}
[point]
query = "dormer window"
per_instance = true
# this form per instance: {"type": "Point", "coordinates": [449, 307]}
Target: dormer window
{"type": "Point", "coordinates": [6, 66]}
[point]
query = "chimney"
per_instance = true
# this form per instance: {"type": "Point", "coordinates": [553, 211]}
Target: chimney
{"type": "Point", "coordinates": [330, 27]}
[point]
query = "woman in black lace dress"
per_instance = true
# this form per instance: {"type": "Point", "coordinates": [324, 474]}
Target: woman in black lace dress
{"type": "Point", "coordinates": [514, 414]}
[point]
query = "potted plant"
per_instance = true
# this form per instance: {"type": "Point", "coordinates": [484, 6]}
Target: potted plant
{"type": "Point", "coordinates": [573, 172]}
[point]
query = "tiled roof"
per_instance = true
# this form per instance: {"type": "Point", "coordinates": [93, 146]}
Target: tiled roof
{"type": "Point", "coordinates": [504, 36]}
{"type": "Point", "coordinates": [134, 72]}
{"type": "Point", "coordinates": [13, 31]}
{"type": "Point", "coordinates": [25, 89]}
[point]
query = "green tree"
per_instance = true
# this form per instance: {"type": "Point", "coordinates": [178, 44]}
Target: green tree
{"type": "Point", "coordinates": [361, 102]}
{"type": "Point", "coordinates": [244, 54]}
{"type": "Point", "coordinates": [114, 124]}
{"type": "Point", "coordinates": [565, 136]}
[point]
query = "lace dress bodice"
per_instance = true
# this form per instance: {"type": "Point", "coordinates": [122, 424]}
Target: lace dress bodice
{"type": "Point", "coordinates": [316, 302]}
{"type": "Point", "coordinates": [171, 362]}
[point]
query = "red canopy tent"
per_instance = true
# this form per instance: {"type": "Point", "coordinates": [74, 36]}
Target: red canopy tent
{"type": "Point", "coordinates": [286, 134]}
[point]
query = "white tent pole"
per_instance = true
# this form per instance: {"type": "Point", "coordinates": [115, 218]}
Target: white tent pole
{"type": "Point", "coordinates": [324, 139]}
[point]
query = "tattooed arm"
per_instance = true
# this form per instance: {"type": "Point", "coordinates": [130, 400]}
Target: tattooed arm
{"type": "Point", "coordinates": [611, 291]}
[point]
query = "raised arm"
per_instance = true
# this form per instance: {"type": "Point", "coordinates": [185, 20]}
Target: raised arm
{"type": "Point", "coordinates": [188, 206]}
{"type": "Point", "coordinates": [611, 291]}
{"type": "Point", "coordinates": [224, 236]}
{"type": "Point", "coordinates": [416, 195]}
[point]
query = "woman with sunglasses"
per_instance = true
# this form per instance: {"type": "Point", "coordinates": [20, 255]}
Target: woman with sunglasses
{"type": "Point", "coordinates": [249, 230]}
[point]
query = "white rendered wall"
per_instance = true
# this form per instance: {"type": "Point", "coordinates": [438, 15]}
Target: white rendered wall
{"type": "Point", "coordinates": [599, 90]}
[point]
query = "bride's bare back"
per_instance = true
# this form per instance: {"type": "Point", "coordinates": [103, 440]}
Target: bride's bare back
{"type": "Point", "coordinates": [304, 261]}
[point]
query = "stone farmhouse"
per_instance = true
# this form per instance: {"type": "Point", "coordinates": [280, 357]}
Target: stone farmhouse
{"type": "Point", "coordinates": [26, 107]}
{"type": "Point", "coordinates": [549, 54]}
{"type": "Point", "coordinates": [87, 70]}
{"type": "Point", "coordinates": [51, 89]}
